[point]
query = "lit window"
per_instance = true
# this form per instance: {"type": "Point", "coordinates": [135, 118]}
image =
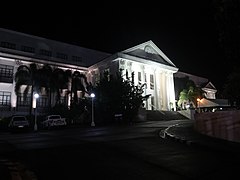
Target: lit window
{"type": "Point", "coordinates": [5, 98]}
{"type": "Point", "coordinates": [6, 73]}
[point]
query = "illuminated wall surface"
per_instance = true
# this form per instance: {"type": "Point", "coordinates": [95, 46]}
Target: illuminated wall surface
{"type": "Point", "coordinates": [149, 64]}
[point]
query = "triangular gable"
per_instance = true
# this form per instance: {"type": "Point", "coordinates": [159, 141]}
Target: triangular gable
{"type": "Point", "coordinates": [149, 51]}
{"type": "Point", "coordinates": [209, 85]}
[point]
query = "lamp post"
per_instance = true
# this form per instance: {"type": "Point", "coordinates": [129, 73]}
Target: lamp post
{"type": "Point", "coordinates": [36, 96]}
{"type": "Point", "coordinates": [92, 96]}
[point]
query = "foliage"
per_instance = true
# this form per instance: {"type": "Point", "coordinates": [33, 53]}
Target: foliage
{"type": "Point", "coordinates": [115, 95]}
{"type": "Point", "coordinates": [189, 95]}
{"type": "Point", "coordinates": [30, 77]}
{"type": "Point", "coordinates": [232, 88]}
{"type": "Point", "coordinates": [36, 78]}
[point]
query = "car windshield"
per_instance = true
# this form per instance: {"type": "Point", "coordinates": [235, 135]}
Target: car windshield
{"type": "Point", "coordinates": [19, 118]}
{"type": "Point", "coordinates": [54, 117]}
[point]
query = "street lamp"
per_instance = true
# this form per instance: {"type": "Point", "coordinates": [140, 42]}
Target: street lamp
{"type": "Point", "coordinates": [36, 96]}
{"type": "Point", "coordinates": [92, 96]}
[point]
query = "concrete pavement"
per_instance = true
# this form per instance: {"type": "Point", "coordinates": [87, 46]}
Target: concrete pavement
{"type": "Point", "coordinates": [183, 132]}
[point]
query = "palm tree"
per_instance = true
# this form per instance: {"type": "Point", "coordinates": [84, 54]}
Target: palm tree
{"type": "Point", "coordinates": [231, 88]}
{"type": "Point", "coordinates": [190, 94]}
{"type": "Point", "coordinates": [28, 76]}
{"type": "Point", "coordinates": [46, 80]}
{"type": "Point", "coordinates": [79, 83]}
{"type": "Point", "coordinates": [59, 81]}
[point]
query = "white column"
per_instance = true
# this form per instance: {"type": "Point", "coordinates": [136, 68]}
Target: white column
{"type": "Point", "coordinates": [170, 91]}
{"type": "Point", "coordinates": [13, 94]}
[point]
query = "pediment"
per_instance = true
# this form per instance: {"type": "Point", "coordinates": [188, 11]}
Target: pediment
{"type": "Point", "coordinates": [209, 85]}
{"type": "Point", "coordinates": [149, 51]}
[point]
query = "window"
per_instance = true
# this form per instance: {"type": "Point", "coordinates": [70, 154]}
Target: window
{"type": "Point", "coordinates": [151, 82]}
{"type": "Point", "coordinates": [152, 103]}
{"type": "Point", "coordinates": [23, 102]}
{"type": "Point", "coordinates": [62, 56]}
{"type": "Point", "coordinates": [8, 45]}
{"type": "Point", "coordinates": [6, 73]}
{"type": "Point", "coordinates": [45, 52]}
{"type": "Point", "coordinates": [106, 73]}
{"type": "Point", "coordinates": [145, 79]}
{"type": "Point", "coordinates": [28, 49]}
{"type": "Point", "coordinates": [5, 98]}
{"type": "Point", "coordinates": [42, 101]}
{"type": "Point", "coordinates": [77, 58]}
{"type": "Point", "coordinates": [139, 78]}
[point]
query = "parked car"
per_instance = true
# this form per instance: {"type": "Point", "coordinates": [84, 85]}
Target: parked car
{"type": "Point", "coordinates": [54, 121]}
{"type": "Point", "coordinates": [19, 123]}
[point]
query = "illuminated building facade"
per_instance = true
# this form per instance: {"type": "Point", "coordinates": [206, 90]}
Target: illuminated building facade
{"type": "Point", "coordinates": [149, 64]}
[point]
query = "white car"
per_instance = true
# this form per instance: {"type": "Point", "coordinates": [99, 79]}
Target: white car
{"type": "Point", "coordinates": [54, 121]}
{"type": "Point", "coordinates": [18, 122]}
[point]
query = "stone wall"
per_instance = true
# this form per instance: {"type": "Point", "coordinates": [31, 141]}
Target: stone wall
{"type": "Point", "coordinates": [220, 124]}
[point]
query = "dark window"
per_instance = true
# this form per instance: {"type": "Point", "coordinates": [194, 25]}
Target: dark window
{"type": "Point", "coordinates": [77, 58]}
{"type": "Point", "coordinates": [6, 73]}
{"type": "Point", "coordinates": [5, 98]}
{"type": "Point", "coordinates": [28, 49]}
{"type": "Point", "coordinates": [62, 56]}
{"type": "Point", "coordinates": [23, 102]}
{"type": "Point", "coordinates": [151, 81]}
{"type": "Point", "coordinates": [45, 52]}
{"type": "Point", "coordinates": [8, 45]}
{"type": "Point", "coordinates": [64, 100]}
{"type": "Point", "coordinates": [145, 79]}
{"type": "Point", "coordinates": [152, 103]}
{"type": "Point", "coordinates": [139, 78]}
{"type": "Point", "coordinates": [42, 101]}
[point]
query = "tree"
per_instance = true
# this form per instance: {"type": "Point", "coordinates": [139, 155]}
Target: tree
{"type": "Point", "coordinates": [30, 77]}
{"type": "Point", "coordinates": [232, 88]}
{"type": "Point", "coordinates": [59, 81]}
{"type": "Point", "coordinates": [79, 83]}
{"type": "Point", "coordinates": [189, 95]}
{"type": "Point", "coordinates": [117, 95]}
{"type": "Point", "coordinates": [46, 80]}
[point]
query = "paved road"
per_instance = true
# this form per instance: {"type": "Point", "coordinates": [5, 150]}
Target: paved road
{"type": "Point", "coordinates": [126, 152]}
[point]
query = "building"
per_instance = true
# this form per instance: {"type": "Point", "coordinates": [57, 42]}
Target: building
{"type": "Point", "coordinates": [149, 64]}
{"type": "Point", "coordinates": [207, 86]}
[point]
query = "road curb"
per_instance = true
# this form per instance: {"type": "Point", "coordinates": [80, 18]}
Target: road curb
{"type": "Point", "coordinates": [165, 134]}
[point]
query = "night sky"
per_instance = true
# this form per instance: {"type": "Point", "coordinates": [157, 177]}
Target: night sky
{"type": "Point", "coordinates": [184, 30]}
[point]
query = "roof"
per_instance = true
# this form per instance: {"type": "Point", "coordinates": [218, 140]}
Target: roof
{"type": "Point", "coordinates": [149, 51]}
{"type": "Point", "coordinates": [199, 81]}
{"type": "Point", "coordinates": [213, 103]}
{"type": "Point", "coordinates": [85, 57]}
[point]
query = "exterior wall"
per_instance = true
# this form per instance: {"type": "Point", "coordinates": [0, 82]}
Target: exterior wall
{"type": "Point", "coordinates": [220, 124]}
{"type": "Point", "coordinates": [209, 93]}
{"type": "Point", "coordinates": [9, 87]}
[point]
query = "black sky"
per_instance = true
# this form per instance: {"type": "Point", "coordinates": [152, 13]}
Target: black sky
{"type": "Point", "coordinates": [184, 30]}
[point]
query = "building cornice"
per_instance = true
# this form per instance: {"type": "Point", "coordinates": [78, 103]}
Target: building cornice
{"type": "Point", "coordinates": [147, 62]}
{"type": "Point", "coordinates": [41, 61]}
